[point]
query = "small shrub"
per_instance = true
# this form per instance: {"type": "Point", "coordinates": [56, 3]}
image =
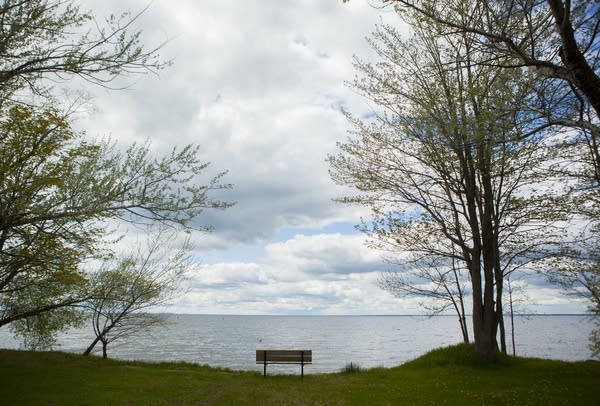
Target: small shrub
{"type": "Point", "coordinates": [351, 368]}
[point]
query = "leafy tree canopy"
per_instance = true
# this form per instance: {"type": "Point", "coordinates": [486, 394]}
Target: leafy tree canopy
{"type": "Point", "coordinates": [57, 192]}
{"type": "Point", "coordinates": [55, 40]}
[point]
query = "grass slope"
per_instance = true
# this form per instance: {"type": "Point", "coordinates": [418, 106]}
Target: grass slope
{"type": "Point", "coordinates": [450, 375]}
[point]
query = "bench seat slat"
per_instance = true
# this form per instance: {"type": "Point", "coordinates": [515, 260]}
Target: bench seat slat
{"type": "Point", "coordinates": [284, 356]}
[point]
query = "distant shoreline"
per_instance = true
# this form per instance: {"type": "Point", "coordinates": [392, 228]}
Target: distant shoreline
{"type": "Point", "coordinates": [364, 315]}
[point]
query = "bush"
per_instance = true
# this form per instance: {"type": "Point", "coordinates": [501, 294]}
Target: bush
{"type": "Point", "coordinates": [351, 368]}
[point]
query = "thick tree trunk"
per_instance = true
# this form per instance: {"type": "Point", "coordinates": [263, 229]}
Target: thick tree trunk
{"type": "Point", "coordinates": [478, 261]}
{"type": "Point", "coordinates": [580, 73]}
{"type": "Point", "coordinates": [485, 345]}
{"type": "Point", "coordinates": [104, 345]}
{"type": "Point", "coordinates": [483, 313]}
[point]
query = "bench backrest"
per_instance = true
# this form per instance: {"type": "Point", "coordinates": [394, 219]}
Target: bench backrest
{"type": "Point", "coordinates": [284, 356]}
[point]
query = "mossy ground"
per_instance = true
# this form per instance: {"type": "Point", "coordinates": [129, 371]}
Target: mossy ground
{"type": "Point", "coordinates": [450, 375]}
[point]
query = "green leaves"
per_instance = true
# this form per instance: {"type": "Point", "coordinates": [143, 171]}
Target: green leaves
{"type": "Point", "coordinates": [40, 39]}
{"type": "Point", "coordinates": [123, 290]}
{"type": "Point", "coordinates": [58, 191]}
{"type": "Point", "coordinates": [56, 194]}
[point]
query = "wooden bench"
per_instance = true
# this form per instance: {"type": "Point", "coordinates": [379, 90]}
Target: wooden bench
{"type": "Point", "coordinates": [284, 357]}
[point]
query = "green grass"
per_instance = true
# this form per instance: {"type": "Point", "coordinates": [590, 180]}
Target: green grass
{"type": "Point", "coordinates": [450, 375]}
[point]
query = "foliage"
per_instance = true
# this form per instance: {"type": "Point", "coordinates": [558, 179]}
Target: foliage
{"type": "Point", "coordinates": [595, 342]}
{"type": "Point", "coordinates": [44, 41]}
{"type": "Point", "coordinates": [57, 193]}
{"type": "Point", "coordinates": [578, 272]}
{"type": "Point", "coordinates": [559, 42]}
{"type": "Point", "coordinates": [448, 165]}
{"type": "Point", "coordinates": [39, 247]}
{"type": "Point", "coordinates": [38, 331]}
{"type": "Point", "coordinates": [125, 289]}
{"type": "Point", "coordinates": [72, 379]}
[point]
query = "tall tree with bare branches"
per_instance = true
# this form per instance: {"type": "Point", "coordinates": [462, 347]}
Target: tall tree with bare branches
{"type": "Point", "coordinates": [444, 165]}
{"type": "Point", "coordinates": [558, 41]}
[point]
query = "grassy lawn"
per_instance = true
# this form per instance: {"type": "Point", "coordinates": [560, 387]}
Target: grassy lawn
{"type": "Point", "coordinates": [447, 376]}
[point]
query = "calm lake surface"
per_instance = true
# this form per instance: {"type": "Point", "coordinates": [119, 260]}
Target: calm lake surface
{"type": "Point", "coordinates": [370, 341]}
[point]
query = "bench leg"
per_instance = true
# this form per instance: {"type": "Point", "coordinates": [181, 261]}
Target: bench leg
{"type": "Point", "coordinates": [265, 364]}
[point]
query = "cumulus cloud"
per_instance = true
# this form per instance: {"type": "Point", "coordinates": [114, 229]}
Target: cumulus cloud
{"type": "Point", "coordinates": [259, 85]}
{"type": "Point", "coordinates": [317, 274]}
{"type": "Point", "coordinates": [323, 254]}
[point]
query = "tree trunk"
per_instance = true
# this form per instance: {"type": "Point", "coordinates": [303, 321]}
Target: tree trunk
{"type": "Point", "coordinates": [483, 261]}
{"type": "Point", "coordinates": [580, 73]}
{"type": "Point", "coordinates": [92, 345]}
{"type": "Point", "coordinates": [512, 318]}
{"type": "Point", "coordinates": [464, 329]}
{"type": "Point", "coordinates": [502, 330]}
{"type": "Point", "coordinates": [99, 337]}
{"type": "Point", "coordinates": [485, 344]}
{"type": "Point", "coordinates": [483, 293]}
{"type": "Point", "coordinates": [499, 307]}
{"type": "Point", "coordinates": [461, 310]}
{"type": "Point", "coordinates": [104, 345]}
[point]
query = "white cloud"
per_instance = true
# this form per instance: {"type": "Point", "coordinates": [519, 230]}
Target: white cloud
{"type": "Point", "coordinates": [259, 84]}
{"type": "Point", "coordinates": [324, 254]}
{"type": "Point", "coordinates": [318, 274]}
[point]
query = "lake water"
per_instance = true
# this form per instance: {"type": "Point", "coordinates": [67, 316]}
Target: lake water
{"type": "Point", "coordinates": [370, 341]}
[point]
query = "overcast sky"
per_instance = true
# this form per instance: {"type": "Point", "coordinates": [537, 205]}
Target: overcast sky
{"type": "Point", "coordinates": [260, 86]}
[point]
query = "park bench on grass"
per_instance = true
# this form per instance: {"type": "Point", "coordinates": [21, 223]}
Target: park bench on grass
{"type": "Point", "coordinates": [283, 357]}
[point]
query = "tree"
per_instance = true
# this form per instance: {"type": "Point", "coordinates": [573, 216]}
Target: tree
{"type": "Point", "coordinates": [559, 41]}
{"type": "Point", "coordinates": [38, 333]}
{"type": "Point", "coordinates": [426, 272]}
{"type": "Point", "coordinates": [447, 153]}
{"type": "Point", "coordinates": [57, 193]}
{"type": "Point", "coordinates": [124, 290]}
{"type": "Point", "coordinates": [44, 41]}
{"type": "Point", "coordinates": [430, 278]}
